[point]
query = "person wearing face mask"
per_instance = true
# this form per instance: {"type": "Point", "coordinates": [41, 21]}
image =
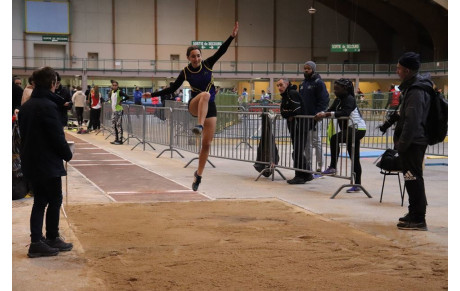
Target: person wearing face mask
{"type": "Point", "coordinates": [316, 99]}
{"type": "Point", "coordinates": [199, 75]}
{"type": "Point", "coordinates": [344, 105]}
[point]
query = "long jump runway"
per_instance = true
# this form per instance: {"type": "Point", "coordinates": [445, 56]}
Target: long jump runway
{"type": "Point", "coordinates": [124, 181]}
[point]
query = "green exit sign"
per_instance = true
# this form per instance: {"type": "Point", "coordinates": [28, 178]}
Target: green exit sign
{"type": "Point", "coordinates": [55, 38]}
{"type": "Point", "coordinates": [345, 48]}
{"type": "Point", "coordinates": [207, 45]}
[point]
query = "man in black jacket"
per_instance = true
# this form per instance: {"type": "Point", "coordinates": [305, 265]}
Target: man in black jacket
{"type": "Point", "coordinates": [43, 149]}
{"type": "Point", "coordinates": [316, 99]}
{"type": "Point", "coordinates": [410, 137]}
{"type": "Point", "coordinates": [291, 105]}
{"type": "Point", "coordinates": [63, 99]}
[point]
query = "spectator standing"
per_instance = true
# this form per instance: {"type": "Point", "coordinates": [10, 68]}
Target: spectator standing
{"type": "Point", "coordinates": [410, 137]}
{"type": "Point", "coordinates": [244, 95]}
{"type": "Point", "coordinates": [64, 102]}
{"type": "Point", "coordinates": [393, 98]}
{"type": "Point", "coordinates": [116, 97]}
{"type": "Point", "coordinates": [79, 100]}
{"type": "Point", "coordinates": [377, 100]}
{"type": "Point", "coordinates": [27, 91]}
{"type": "Point", "coordinates": [316, 99]}
{"type": "Point", "coordinates": [264, 98]}
{"type": "Point", "coordinates": [43, 149]}
{"type": "Point", "coordinates": [291, 106]}
{"type": "Point", "coordinates": [88, 91]}
{"type": "Point", "coordinates": [137, 96]}
{"type": "Point", "coordinates": [95, 109]}
{"type": "Point", "coordinates": [344, 105]}
{"type": "Point", "coordinates": [17, 93]}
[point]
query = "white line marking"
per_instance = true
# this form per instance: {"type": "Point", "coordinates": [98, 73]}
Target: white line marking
{"type": "Point", "coordinates": [88, 148]}
{"type": "Point", "coordinates": [150, 192]}
{"type": "Point", "coordinates": [94, 184]}
{"type": "Point", "coordinates": [116, 154]}
{"type": "Point", "coordinates": [98, 161]}
{"type": "Point", "coordinates": [77, 165]}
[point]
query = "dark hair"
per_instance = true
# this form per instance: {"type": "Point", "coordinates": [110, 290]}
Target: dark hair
{"type": "Point", "coordinates": [348, 84]}
{"type": "Point", "coordinates": [30, 80]}
{"type": "Point", "coordinates": [113, 81]}
{"type": "Point", "coordinates": [192, 48]}
{"type": "Point", "coordinates": [58, 77]}
{"type": "Point", "coordinates": [44, 78]}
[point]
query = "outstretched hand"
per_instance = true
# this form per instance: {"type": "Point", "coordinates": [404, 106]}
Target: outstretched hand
{"type": "Point", "coordinates": [235, 30]}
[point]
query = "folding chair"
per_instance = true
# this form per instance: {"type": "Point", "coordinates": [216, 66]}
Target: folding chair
{"type": "Point", "coordinates": [386, 173]}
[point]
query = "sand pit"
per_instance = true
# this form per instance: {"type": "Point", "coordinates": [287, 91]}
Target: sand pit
{"type": "Point", "coordinates": [241, 245]}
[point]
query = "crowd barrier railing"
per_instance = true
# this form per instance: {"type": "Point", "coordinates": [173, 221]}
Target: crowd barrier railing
{"type": "Point", "coordinates": [375, 139]}
{"type": "Point", "coordinates": [259, 137]}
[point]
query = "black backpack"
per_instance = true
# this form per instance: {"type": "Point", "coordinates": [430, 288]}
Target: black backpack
{"type": "Point", "coordinates": [436, 122]}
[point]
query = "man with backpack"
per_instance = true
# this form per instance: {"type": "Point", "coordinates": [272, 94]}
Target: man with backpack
{"type": "Point", "coordinates": [411, 137]}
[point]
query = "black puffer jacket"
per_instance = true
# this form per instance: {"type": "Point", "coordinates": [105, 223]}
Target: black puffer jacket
{"type": "Point", "coordinates": [291, 103]}
{"type": "Point", "coordinates": [410, 128]}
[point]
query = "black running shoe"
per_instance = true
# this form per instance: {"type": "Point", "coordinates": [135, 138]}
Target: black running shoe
{"type": "Point", "coordinates": [197, 129]}
{"type": "Point", "coordinates": [60, 244]}
{"type": "Point", "coordinates": [196, 182]}
{"type": "Point", "coordinates": [41, 249]}
{"type": "Point", "coordinates": [297, 180]}
{"type": "Point", "coordinates": [410, 225]}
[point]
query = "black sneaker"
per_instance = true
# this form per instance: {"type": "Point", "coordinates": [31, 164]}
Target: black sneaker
{"type": "Point", "coordinates": [118, 142]}
{"type": "Point", "coordinates": [114, 142]}
{"type": "Point", "coordinates": [60, 244]}
{"type": "Point", "coordinates": [196, 182]}
{"type": "Point", "coordinates": [405, 218]}
{"type": "Point", "coordinates": [41, 249]}
{"type": "Point", "coordinates": [410, 225]}
{"type": "Point", "coordinates": [297, 180]}
{"type": "Point", "coordinates": [197, 129]}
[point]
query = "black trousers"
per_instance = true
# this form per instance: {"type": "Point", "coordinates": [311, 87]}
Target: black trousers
{"type": "Point", "coordinates": [298, 130]}
{"type": "Point", "coordinates": [79, 111]}
{"type": "Point", "coordinates": [346, 137]}
{"type": "Point", "coordinates": [412, 165]}
{"type": "Point", "coordinates": [94, 119]}
{"type": "Point", "coordinates": [47, 192]}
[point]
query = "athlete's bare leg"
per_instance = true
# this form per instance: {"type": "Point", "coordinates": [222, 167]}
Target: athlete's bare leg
{"type": "Point", "coordinates": [199, 107]}
{"type": "Point", "coordinates": [206, 140]}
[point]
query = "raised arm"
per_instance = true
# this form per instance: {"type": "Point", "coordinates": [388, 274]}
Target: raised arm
{"type": "Point", "coordinates": [223, 48]}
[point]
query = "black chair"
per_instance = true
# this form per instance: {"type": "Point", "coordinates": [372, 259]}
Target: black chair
{"type": "Point", "coordinates": [402, 190]}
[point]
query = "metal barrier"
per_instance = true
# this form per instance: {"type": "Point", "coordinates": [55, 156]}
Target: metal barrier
{"type": "Point", "coordinates": [160, 121]}
{"type": "Point", "coordinates": [261, 137]}
{"type": "Point", "coordinates": [374, 138]}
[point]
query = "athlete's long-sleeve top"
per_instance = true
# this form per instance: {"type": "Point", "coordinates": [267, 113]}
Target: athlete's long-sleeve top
{"type": "Point", "coordinates": [200, 79]}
